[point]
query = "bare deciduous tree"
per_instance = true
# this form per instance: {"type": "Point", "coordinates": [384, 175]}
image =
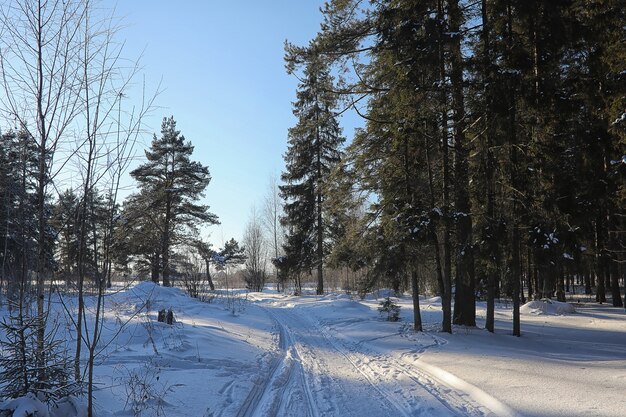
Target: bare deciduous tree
{"type": "Point", "coordinates": [270, 220]}
{"type": "Point", "coordinates": [40, 74]}
{"type": "Point", "coordinates": [63, 80]}
{"type": "Point", "coordinates": [256, 253]}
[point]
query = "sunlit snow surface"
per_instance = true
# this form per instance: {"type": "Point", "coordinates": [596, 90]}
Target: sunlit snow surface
{"type": "Point", "coordinates": [268, 354]}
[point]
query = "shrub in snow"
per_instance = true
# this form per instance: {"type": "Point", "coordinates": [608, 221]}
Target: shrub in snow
{"type": "Point", "coordinates": [389, 308]}
{"type": "Point", "coordinates": [146, 391]}
{"type": "Point", "coordinates": [235, 303]}
{"type": "Point", "coordinates": [20, 366]}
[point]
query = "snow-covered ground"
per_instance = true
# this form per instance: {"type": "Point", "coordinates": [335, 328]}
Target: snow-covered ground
{"type": "Point", "coordinates": [269, 354]}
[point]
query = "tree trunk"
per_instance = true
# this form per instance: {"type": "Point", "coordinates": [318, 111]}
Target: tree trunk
{"type": "Point", "coordinates": [165, 249]}
{"type": "Point", "coordinates": [446, 299]}
{"type": "Point", "coordinates": [490, 168]}
{"type": "Point", "coordinates": [208, 276]}
{"type": "Point", "coordinates": [600, 263]}
{"type": "Point", "coordinates": [560, 293]}
{"type": "Point", "coordinates": [613, 266]}
{"type": "Point", "coordinates": [42, 222]}
{"type": "Point", "coordinates": [320, 225]}
{"type": "Point", "coordinates": [433, 230]}
{"type": "Point", "coordinates": [417, 317]}
{"type": "Point", "coordinates": [529, 271]}
{"type": "Point", "coordinates": [512, 133]}
{"type": "Point", "coordinates": [465, 299]}
{"type": "Point", "coordinates": [615, 291]}
{"type": "Point", "coordinates": [155, 267]}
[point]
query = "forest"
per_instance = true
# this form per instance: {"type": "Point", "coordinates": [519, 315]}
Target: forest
{"type": "Point", "coordinates": [491, 165]}
{"type": "Point", "coordinates": [492, 159]}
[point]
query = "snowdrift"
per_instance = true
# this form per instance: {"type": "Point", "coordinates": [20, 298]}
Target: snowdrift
{"type": "Point", "coordinates": [547, 307]}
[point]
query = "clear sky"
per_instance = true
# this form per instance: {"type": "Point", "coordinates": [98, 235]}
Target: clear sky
{"type": "Point", "coordinates": [223, 80]}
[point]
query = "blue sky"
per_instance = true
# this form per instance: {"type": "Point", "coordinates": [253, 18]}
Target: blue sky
{"type": "Point", "coordinates": [223, 79]}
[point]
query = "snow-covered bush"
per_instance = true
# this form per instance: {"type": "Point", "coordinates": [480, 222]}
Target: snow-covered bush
{"type": "Point", "coordinates": [389, 308]}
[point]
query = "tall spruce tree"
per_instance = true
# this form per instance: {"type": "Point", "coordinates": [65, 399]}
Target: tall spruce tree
{"type": "Point", "coordinates": [314, 149]}
{"type": "Point", "coordinates": [171, 185]}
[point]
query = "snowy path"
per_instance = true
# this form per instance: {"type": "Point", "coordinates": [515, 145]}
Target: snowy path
{"type": "Point", "coordinates": [327, 356]}
{"type": "Point", "coordinates": [319, 373]}
{"type": "Point", "coordinates": [285, 390]}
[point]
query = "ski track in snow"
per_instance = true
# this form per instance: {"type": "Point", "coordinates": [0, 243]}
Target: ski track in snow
{"type": "Point", "coordinates": [378, 366]}
{"type": "Point", "coordinates": [319, 373]}
{"type": "Point", "coordinates": [460, 397]}
{"type": "Point", "coordinates": [285, 390]}
{"type": "Point", "coordinates": [336, 385]}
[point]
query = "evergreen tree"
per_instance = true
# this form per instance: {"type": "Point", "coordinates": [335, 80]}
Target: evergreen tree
{"type": "Point", "coordinates": [65, 221]}
{"type": "Point", "coordinates": [501, 120]}
{"type": "Point", "coordinates": [230, 255]}
{"type": "Point", "coordinates": [314, 149]}
{"type": "Point", "coordinates": [171, 185]}
{"type": "Point", "coordinates": [206, 254]}
{"type": "Point", "coordinates": [138, 236]}
{"type": "Point", "coordinates": [18, 166]}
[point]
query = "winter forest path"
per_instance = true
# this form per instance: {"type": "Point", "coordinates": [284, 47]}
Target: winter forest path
{"type": "Point", "coordinates": [319, 371]}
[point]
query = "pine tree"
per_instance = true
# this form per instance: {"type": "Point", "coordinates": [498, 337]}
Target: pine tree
{"type": "Point", "coordinates": [314, 149]}
{"type": "Point", "coordinates": [206, 254]}
{"type": "Point", "coordinates": [230, 255]}
{"type": "Point", "coordinates": [171, 185]}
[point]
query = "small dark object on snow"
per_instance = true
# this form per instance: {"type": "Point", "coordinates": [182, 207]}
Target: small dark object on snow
{"type": "Point", "coordinates": [170, 317]}
{"type": "Point", "coordinates": [161, 317]}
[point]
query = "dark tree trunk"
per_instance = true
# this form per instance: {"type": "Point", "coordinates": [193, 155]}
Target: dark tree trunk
{"type": "Point", "coordinates": [529, 272]}
{"type": "Point", "coordinates": [165, 248]}
{"type": "Point", "coordinates": [489, 165]}
{"type": "Point", "coordinates": [446, 299]}
{"type": "Point", "coordinates": [613, 266]}
{"type": "Point", "coordinates": [615, 292]}
{"type": "Point", "coordinates": [155, 268]}
{"type": "Point", "coordinates": [417, 317]}
{"type": "Point", "coordinates": [320, 225]}
{"type": "Point", "coordinates": [560, 293]}
{"type": "Point", "coordinates": [433, 230]}
{"type": "Point", "coordinates": [600, 262]}
{"type": "Point", "coordinates": [512, 133]}
{"type": "Point", "coordinates": [515, 271]}
{"type": "Point", "coordinates": [464, 300]}
{"type": "Point", "coordinates": [208, 276]}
